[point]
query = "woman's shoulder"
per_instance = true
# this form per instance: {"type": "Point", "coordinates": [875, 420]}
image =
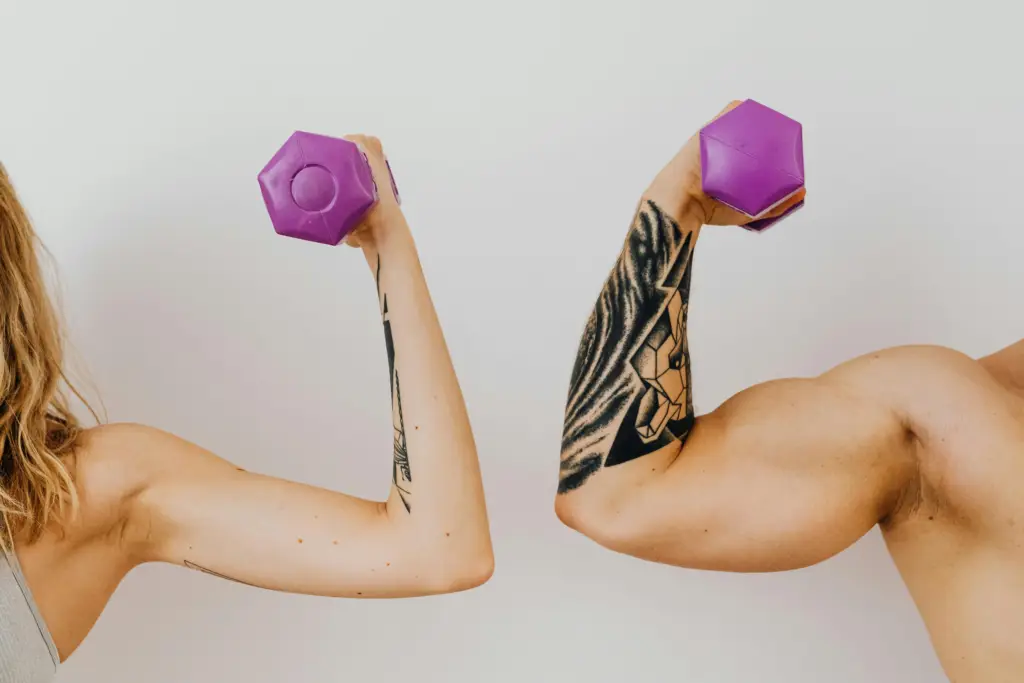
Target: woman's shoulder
{"type": "Point", "coordinates": [111, 464]}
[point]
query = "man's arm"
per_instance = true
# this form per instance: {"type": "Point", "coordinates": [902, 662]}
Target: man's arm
{"type": "Point", "coordinates": [430, 536]}
{"type": "Point", "coordinates": [630, 394]}
{"type": "Point", "coordinates": [782, 475]}
{"type": "Point", "coordinates": [1007, 366]}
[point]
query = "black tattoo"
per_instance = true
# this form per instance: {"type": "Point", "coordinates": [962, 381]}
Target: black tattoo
{"type": "Point", "coordinates": [193, 565]}
{"type": "Point", "coordinates": [401, 473]}
{"type": "Point", "coordinates": [630, 390]}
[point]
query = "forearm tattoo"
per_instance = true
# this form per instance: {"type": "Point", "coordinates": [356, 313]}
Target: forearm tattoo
{"type": "Point", "coordinates": [401, 473]}
{"type": "Point", "coordinates": [630, 389]}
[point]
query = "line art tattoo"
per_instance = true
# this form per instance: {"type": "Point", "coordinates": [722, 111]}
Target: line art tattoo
{"type": "Point", "coordinates": [401, 473]}
{"type": "Point", "coordinates": [193, 565]}
{"type": "Point", "coordinates": [630, 392]}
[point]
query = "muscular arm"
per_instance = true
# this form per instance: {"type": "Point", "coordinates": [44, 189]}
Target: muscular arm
{"type": "Point", "coordinates": [430, 535]}
{"type": "Point", "coordinates": [1007, 366]}
{"type": "Point", "coordinates": [782, 475]}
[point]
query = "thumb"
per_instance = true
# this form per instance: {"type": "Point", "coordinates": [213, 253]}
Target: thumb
{"type": "Point", "coordinates": [788, 205]}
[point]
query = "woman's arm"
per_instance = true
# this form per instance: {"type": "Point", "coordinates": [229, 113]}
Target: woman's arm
{"type": "Point", "coordinates": [430, 536]}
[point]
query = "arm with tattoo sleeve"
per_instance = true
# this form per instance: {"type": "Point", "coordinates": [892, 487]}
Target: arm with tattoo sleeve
{"type": "Point", "coordinates": [782, 475]}
{"type": "Point", "coordinates": [630, 390]}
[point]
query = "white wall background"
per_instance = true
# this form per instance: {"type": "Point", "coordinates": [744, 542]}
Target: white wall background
{"type": "Point", "coordinates": [521, 134]}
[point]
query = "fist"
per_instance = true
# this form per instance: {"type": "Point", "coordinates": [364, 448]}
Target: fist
{"type": "Point", "coordinates": [678, 189]}
{"type": "Point", "coordinates": [387, 206]}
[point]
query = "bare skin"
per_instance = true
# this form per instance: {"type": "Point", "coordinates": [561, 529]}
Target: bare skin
{"type": "Point", "coordinates": [923, 441]}
{"type": "Point", "coordinates": [149, 496]}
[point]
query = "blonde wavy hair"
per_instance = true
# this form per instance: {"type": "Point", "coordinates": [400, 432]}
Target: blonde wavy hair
{"type": "Point", "coordinates": [38, 430]}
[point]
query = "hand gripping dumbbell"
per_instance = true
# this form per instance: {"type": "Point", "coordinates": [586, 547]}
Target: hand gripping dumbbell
{"type": "Point", "coordinates": [319, 188]}
{"type": "Point", "coordinates": [752, 160]}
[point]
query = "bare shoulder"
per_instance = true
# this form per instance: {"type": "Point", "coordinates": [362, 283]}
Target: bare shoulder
{"type": "Point", "coordinates": [114, 455]}
{"type": "Point", "coordinates": [113, 463]}
{"type": "Point", "coordinates": [116, 467]}
{"type": "Point", "coordinates": [916, 381]}
{"type": "Point", "coordinates": [904, 362]}
{"type": "Point", "coordinates": [952, 403]}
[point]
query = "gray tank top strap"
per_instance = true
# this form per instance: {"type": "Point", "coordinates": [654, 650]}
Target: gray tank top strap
{"type": "Point", "coordinates": [27, 652]}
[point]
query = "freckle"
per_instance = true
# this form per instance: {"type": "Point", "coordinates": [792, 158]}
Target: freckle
{"type": "Point", "coordinates": [300, 540]}
{"type": "Point", "coordinates": [387, 564]}
{"type": "Point", "coordinates": [705, 531]}
{"type": "Point", "coordinates": [335, 543]}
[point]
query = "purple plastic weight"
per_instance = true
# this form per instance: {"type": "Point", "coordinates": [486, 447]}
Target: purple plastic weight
{"type": "Point", "coordinates": [752, 160]}
{"type": "Point", "coordinates": [318, 188]}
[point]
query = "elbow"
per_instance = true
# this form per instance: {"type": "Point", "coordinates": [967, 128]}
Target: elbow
{"type": "Point", "coordinates": [596, 520]}
{"type": "Point", "coordinates": [473, 572]}
{"type": "Point", "coordinates": [452, 561]}
{"type": "Point", "coordinates": [571, 513]}
{"type": "Point", "coordinates": [462, 573]}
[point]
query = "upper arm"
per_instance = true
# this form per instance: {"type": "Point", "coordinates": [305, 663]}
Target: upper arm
{"type": "Point", "coordinates": [783, 475]}
{"type": "Point", "coordinates": [192, 508]}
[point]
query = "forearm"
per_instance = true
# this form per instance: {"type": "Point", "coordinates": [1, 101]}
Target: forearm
{"type": "Point", "coordinates": [630, 393]}
{"type": "Point", "coordinates": [437, 492]}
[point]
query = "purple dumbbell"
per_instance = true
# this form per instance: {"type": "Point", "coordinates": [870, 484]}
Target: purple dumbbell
{"type": "Point", "coordinates": [318, 188]}
{"type": "Point", "coordinates": [752, 160]}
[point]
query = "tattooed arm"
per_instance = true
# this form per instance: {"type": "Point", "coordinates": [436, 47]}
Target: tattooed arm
{"type": "Point", "coordinates": [430, 536]}
{"type": "Point", "coordinates": [782, 475]}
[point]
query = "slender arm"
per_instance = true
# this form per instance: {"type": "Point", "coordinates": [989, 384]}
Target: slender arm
{"type": "Point", "coordinates": [188, 506]}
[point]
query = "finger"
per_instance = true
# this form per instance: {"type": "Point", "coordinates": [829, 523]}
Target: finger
{"type": "Point", "coordinates": [788, 204]}
{"type": "Point", "coordinates": [728, 108]}
{"type": "Point", "coordinates": [367, 142]}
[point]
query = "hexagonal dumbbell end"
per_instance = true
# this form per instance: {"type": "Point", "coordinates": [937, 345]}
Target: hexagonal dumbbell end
{"type": "Point", "coordinates": [752, 160]}
{"type": "Point", "coordinates": [318, 188]}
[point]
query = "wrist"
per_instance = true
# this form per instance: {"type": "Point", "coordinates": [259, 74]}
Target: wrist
{"type": "Point", "coordinates": [678, 189]}
{"type": "Point", "coordinates": [679, 200]}
{"type": "Point", "coordinates": [383, 236]}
